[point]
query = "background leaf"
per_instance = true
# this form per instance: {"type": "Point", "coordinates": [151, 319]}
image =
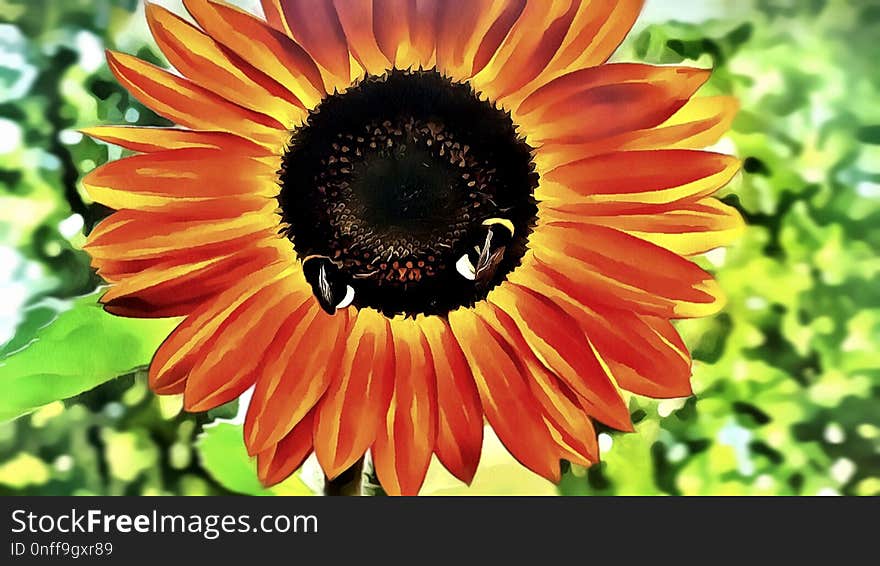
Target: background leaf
{"type": "Point", "coordinates": [223, 454]}
{"type": "Point", "coordinates": [82, 348]}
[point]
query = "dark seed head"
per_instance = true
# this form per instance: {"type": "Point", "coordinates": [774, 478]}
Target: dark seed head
{"type": "Point", "coordinates": [423, 162]}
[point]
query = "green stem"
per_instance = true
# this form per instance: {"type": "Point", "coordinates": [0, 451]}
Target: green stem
{"type": "Point", "coordinates": [371, 485]}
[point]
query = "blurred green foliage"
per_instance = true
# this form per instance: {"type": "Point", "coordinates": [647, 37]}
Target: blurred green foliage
{"type": "Point", "coordinates": [786, 379]}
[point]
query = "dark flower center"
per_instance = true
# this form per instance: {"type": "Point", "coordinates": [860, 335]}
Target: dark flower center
{"type": "Point", "coordinates": [407, 194]}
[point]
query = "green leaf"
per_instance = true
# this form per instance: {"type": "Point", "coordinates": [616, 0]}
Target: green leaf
{"type": "Point", "coordinates": [869, 134]}
{"type": "Point", "coordinates": [80, 349]}
{"type": "Point", "coordinates": [33, 319]}
{"type": "Point", "coordinates": [223, 455]}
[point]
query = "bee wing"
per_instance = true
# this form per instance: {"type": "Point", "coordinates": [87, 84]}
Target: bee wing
{"type": "Point", "coordinates": [485, 252]}
{"type": "Point", "coordinates": [486, 268]}
{"type": "Point", "coordinates": [324, 287]}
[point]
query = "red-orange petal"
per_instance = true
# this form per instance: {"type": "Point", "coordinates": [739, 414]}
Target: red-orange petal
{"type": "Point", "coordinates": [545, 329]}
{"type": "Point", "coordinates": [165, 291]}
{"type": "Point", "coordinates": [508, 402]}
{"type": "Point", "coordinates": [301, 363]}
{"type": "Point", "coordinates": [644, 354]}
{"type": "Point", "coordinates": [180, 176]}
{"type": "Point", "coordinates": [566, 414]}
{"type": "Point", "coordinates": [391, 28]}
{"type": "Point", "coordinates": [598, 28]}
{"type": "Point", "coordinates": [403, 447]}
{"type": "Point", "coordinates": [223, 373]}
{"type": "Point", "coordinates": [316, 26]}
{"type": "Point", "coordinates": [198, 57]}
{"type": "Point", "coordinates": [150, 140]}
{"type": "Point", "coordinates": [469, 34]}
{"type": "Point", "coordinates": [356, 19]}
{"type": "Point", "coordinates": [684, 227]}
{"type": "Point", "coordinates": [274, 15]}
{"type": "Point", "coordinates": [701, 122]}
{"type": "Point", "coordinates": [459, 413]}
{"type": "Point", "coordinates": [263, 47]}
{"type": "Point", "coordinates": [604, 101]}
{"type": "Point", "coordinates": [405, 30]}
{"type": "Point", "coordinates": [527, 49]}
{"type": "Point", "coordinates": [354, 407]}
{"type": "Point", "coordinates": [183, 348]}
{"type": "Point", "coordinates": [132, 234]}
{"type": "Point", "coordinates": [181, 258]}
{"type": "Point", "coordinates": [598, 264]}
{"type": "Point", "coordinates": [424, 17]}
{"type": "Point", "coordinates": [191, 105]}
{"type": "Point", "coordinates": [653, 361]}
{"type": "Point", "coordinates": [277, 463]}
{"type": "Point", "coordinates": [650, 177]}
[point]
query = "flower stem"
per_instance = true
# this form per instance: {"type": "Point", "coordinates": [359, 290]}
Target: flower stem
{"type": "Point", "coordinates": [346, 483]}
{"type": "Point", "coordinates": [371, 485]}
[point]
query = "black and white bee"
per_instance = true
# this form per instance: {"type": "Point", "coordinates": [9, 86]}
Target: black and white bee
{"type": "Point", "coordinates": [329, 283]}
{"type": "Point", "coordinates": [481, 264]}
{"type": "Point", "coordinates": [332, 286]}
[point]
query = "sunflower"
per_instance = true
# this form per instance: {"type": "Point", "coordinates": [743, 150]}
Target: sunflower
{"type": "Point", "coordinates": [394, 219]}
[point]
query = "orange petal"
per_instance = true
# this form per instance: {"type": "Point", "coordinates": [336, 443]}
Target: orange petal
{"type": "Point", "coordinates": [510, 406]}
{"type": "Point", "coordinates": [274, 15]}
{"type": "Point", "coordinates": [356, 19]}
{"type": "Point", "coordinates": [403, 447]}
{"type": "Point", "coordinates": [699, 123]}
{"type": "Point", "coordinates": [165, 291]}
{"type": "Point", "coordinates": [405, 30]}
{"type": "Point", "coordinates": [651, 360]}
{"type": "Point", "coordinates": [598, 264]}
{"type": "Point", "coordinates": [424, 16]}
{"type": "Point", "coordinates": [669, 335]}
{"type": "Point", "coordinates": [684, 227]}
{"type": "Point", "coordinates": [264, 48]}
{"type": "Point", "coordinates": [353, 410]}
{"type": "Point", "coordinates": [469, 34]}
{"type": "Point", "coordinates": [598, 28]}
{"type": "Point", "coordinates": [178, 259]}
{"type": "Point", "coordinates": [191, 105]}
{"type": "Point", "coordinates": [300, 365]}
{"type": "Point", "coordinates": [222, 374]}
{"type": "Point", "coordinates": [391, 27]}
{"type": "Point", "coordinates": [276, 464]}
{"type": "Point", "coordinates": [644, 354]}
{"type": "Point", "coordinates": [568, 422]}
{"type": "Point", "coordinates": [649, 177]}
{"type": "Point", "coordinates": [315, 26]}
{"type": "Point", "coordinates": [527, 49]}
{"type": "Point", "coordinates": [183, 348]}
{"type": "Point", "coordinates": [150, 181]}
{"type": "Point", "coordinates": [116, 269]}
{"type": "Point", "coordinates": [604, 101]}
{"type": "Point", "coordinates": [149, 140]}
{"type": "Point", "coordinates": [459, 415]}
{"type": "Point", "coordinates": [200, 58]}
{"type": "Point", "coordinates": [130, 234]}
{"type": "Point", "coordinates": [545, 328]}
{"type": "Point", "coordinates": [567, 415]}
